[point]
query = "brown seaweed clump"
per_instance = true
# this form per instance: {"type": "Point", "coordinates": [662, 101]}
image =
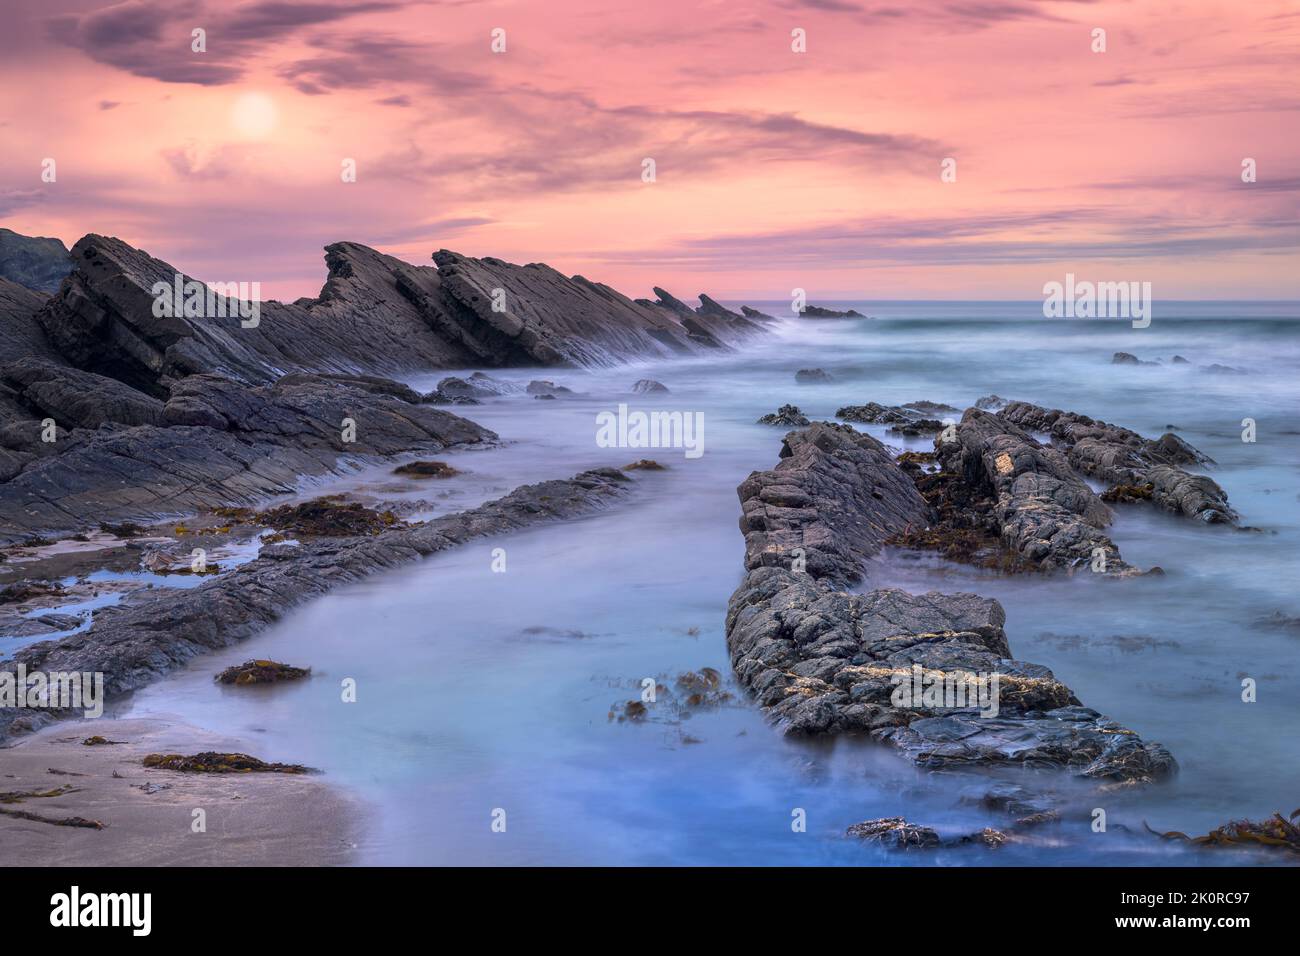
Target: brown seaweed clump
{"type": "Point", "coordinates": [962, 529]}
{"type": "Point", "coordinates": [328, 517]}
{"type": "Point", "coordinates": [212, 762]}
{"type": "Point", "coordinates": [1127, 494]}
{"type": "Point", "coordinates": [1276, 831]}
{"type": "Point", "coordinates": [260, 672]}
{"type": "Point", "coordinates": [426, 469]}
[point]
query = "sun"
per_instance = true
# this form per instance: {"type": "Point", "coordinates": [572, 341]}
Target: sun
{"type": "Point", "coordinates": [253, 115]}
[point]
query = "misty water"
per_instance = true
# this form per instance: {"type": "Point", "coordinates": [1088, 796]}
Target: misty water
{"type": "Point", "coordinates": [480, 690]}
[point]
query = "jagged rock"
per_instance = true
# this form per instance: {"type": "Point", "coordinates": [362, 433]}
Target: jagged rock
{"type": "Point", "coordinates": [460, 391]}
{"type": "Point", "coordinates": [873, 413]}
{"type": "Point", "coordinates": [21, 336]}
{"type": "Point", "coordinates": [1046, 513]}
{"type": "Point", "coordinates": [1120, 456]}
{"type": "Point", "coordinates": [930, 408]}
{"type": "Point", "coordinates": [895, 832]}
{"type": "Point", "coordinates": [1127, 358]}
{"type": "Point", "coordinates": [823, 660]}
{"type": "Point", "coordinates": [836, 495]}
{"type": "Point", "coordinates": [990, 403]}
{"type": "Point", "coordinates": [547, 389]}
{"type": "Point", "coordinates": [898, 834]}
{"type": "Point", "coordinates": [138, 641]}
{"type": "Point", "coordinates": [812, 376]}
{"type": "Point", "coordinates": [647, 386]}
{"type": "Point", "coordinates": [76, 399]}
{"type": "Point", "coordinates": [906, 419]}
{"type": "Point", "coordinates": [1179, 360]}
{"type": "Point", "coordinates": [817, 312]}
{"type": "Point", "coordinates": [36, 263]}
{"type": "Point", "coordinates": [220, 443]}
{"type": "Point", "coordinates": [788, 415]}
{"type": "Point", "coordinates": [749, 313]}
{"type": "Point", "coordinates": [375, 314]}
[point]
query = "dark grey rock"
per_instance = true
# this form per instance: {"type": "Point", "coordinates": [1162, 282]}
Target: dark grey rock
{"type": "Point", "coordinates": [38, 264]}
{"type": "Point", "coordinates": [812, 376]}
{"type": "Point", "coordinates": [1121, 456]}
{"type": "Point", "coordinates": [823, 660]}
{"type": "Point", "coordinates": [788, 416]}
{"type": "Point", "coordinates": [154, 632]}
{"type": "Point", "coordinates": [218, 443]}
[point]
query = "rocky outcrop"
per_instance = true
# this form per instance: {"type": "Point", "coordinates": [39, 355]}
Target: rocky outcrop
{"type": "Point", "coordinates": [813, 376]}
{"type": "Point", "coordinates": [788, 416]}
{"type": "Point", "coordinates": [21, 336]}
{"type": "Point", "coordinates": [831, 503]}
{"type": "Point", "coordinates": [38, 264]}
{"type": "Point", "coordinates": [1044, 512]}
{"type": "Point", "coordinates": [154, 632]}
{"type": "Point", "coordinates": [76, 399]}
{"type": "Point", "coordinates": [817, 312]}
{"type": "Point", "coordinates": [1121, 456]}
{"type": "Point", "coordinates": [375, 314]}
{"type": "Point", "coordinates": [213, 442]}
{"type": "Point", "coordinates": [823, 660]}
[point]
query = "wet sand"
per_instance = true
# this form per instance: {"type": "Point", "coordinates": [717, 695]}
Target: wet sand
{"type": "Point", "coordinates": [263, 819]}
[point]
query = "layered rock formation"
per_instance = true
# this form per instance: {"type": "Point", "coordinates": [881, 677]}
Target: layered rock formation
{"type": "Point", "coordinates": [823, 660]}
{"type": "Point", "coordinates": [118, 454]}
{"type": "Point", "coordinates": [112, 408]}
{"type": "Point", "coordinates": [1122, 457]}
{"type": "Point", "coordinates": [38, 264]}
{"type": "Point", "coordinates": [375, 314]}
{"type": "Point", "coordinates": [156, 631]}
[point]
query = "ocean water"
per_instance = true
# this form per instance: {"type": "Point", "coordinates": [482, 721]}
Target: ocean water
{"type": "Point", "coordinates": [481, 691]}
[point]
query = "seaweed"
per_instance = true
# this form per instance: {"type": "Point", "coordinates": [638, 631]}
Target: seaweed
{"type": "Point", "coordinates": [125, 529]}
{"type": "Point", "coordinates": [328, 517]}
{"type": "Point", "coordinates": [260, 672]}
{"type": "Point", "coordinates": [1128, 493]}
{"type": "Point", "coordinates": [426, 469]}
{"type": "Point", "coordinates": [212, 762]}
{"type": "Point", "coordinates": [1276, 831]}
{"type": "Point", "coordinates": [54, 821]}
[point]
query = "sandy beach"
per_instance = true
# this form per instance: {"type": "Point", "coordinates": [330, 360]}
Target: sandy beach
{"type": "Point", "coordinates": [265, 819]}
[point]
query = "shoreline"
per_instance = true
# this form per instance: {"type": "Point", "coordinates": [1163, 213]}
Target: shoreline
{"type": "Point", "coordinates": [263, 819]}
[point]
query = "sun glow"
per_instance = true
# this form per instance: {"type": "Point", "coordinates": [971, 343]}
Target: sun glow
{"type": "Point", "coordinates": [253, 115]}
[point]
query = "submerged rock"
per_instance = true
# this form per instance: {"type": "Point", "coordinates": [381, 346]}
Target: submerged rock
{"type": "Point", "coordinates": [813, 376]}
{"type": "Point", "coordinates": [788, 415]}
{"type": "Point", "coordinates": [217, 443]}
{"type": "Point", "coordinates": [645, 464]}
{"type": "Point", "coordinates": [898, 834]}
{"type": "Point", "coordinates": [817, 312]}
{"type": "Point", "coordinates": [426, 469]}
{"type": "Point", "coordinates": [648, 386]}
{"type": "Point", "coordinates": [1120, 456]}
{"type": "Point", "coordinates": [154, 631]}
{"type": "Point", "coordinates": [823, 660]}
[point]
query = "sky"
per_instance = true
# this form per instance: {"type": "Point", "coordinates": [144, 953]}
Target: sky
{"type": "Point", "coordinates": [773, 169]}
